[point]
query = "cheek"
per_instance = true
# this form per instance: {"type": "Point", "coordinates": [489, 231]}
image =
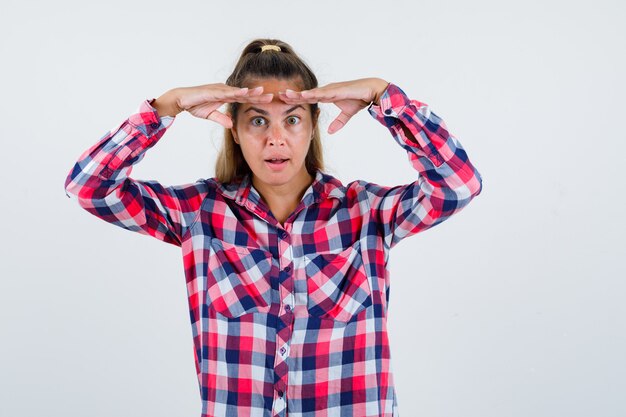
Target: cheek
{"type": "Point", "coordinates": [247, 146]}
{"type": "Point", "coordinates": [304, 148]}
{"type": "Point", "coordinates": [249, 150]}
{"type": "Point", "coordinates": [300, 133]}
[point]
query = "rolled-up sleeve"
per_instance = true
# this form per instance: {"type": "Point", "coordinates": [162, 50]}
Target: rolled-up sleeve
{"type": "Point", "coordinates": [446, 181]}
{"type": "Point", "coordinates": [100, 181]}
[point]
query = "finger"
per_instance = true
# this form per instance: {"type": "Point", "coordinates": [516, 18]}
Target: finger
{"type": "Point", "coordinates": [203, 110]}
{"type": "Point", "coordinates": [321, 93]}
{"type": "Point", "coordinates": [339, 122]}
{"type": "Point", "coordinates": [316, 95]}
{"type": "Point", "coordinates": [221, 118]}
{"type": "Point", "coordinates": [310, 97]}
{"type": "Point", "coordinates": [329, 94]}
{"type": "Point", "coordinates": [292, 94]}
{"type": "Point", "coordinates": [295, 98]}
{"type": "Point", "coordinates": [241, 91]}
{"type": "Point", "coordinates": [245, 91]}
{"type": "Point", "coordinates": [220, 95]}
{"type": "Point", "coordinates": [245, 95]}
{"type": "Point", "coordinates": [232, 94]}
{"type": "Point", "coordinates": [264, 98]}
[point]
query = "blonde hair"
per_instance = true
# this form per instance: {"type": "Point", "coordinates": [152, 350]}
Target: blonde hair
{"type": "Point", "coordinates": [255, 63]}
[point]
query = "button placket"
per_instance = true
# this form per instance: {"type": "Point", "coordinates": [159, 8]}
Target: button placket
{"type": "Point", "coordinates": [280, 404]}
{"type": "Point", "coordinates": [284, 351]}
{"type": "Point", "coordinates": [285, 316]}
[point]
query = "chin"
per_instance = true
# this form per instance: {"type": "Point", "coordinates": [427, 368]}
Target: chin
{"type": "Point", "coordinates": [275, 178]}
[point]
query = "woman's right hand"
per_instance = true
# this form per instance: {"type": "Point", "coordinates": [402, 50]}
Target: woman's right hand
{"type": "Point", "coordinates": [203, 101]}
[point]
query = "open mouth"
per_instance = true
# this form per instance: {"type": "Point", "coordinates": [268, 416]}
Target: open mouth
{"type": "Point", "coordinates": [276, 162]}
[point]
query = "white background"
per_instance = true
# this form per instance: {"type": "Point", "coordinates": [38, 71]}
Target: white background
{"type": "Point", "coordinates": [513, 307]}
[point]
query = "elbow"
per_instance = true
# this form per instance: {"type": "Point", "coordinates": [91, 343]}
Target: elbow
{"type": "Point", "coordinates": [472, 188]}
{"type": "Point", "coordinates": [70, 186]}
{"type": "Point", "coordinates": [77, 184]}
{"type": "Point", "coordinates": [80, 186]}
{"type": "Point", "coordinates": [472, 184]}
{"type": "Point", "coordinates": [476, 185]}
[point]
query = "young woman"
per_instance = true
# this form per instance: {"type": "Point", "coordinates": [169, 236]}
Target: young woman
{"type": "Point", "coordinates": [286, 267]}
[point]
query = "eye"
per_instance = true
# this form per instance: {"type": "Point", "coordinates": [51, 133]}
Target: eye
{"type": "Point", "coordinates": [292, 120]}
{"type": "Point", "coordinates": [258, 121]}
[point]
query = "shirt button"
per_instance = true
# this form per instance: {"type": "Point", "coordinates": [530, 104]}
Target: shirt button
{"type": "Point", "coordinates": [287, 269]}
{"type": "Point", "coordinates": [283, 234]}
{"type": "Point", "coordinates": [282, 350]}
{"type": "Point", "coordinates": [280, 394]}
{"type": "Point", "coordinates": [288, 308]}
{"type": "Point", "coordinates": [154, 125]}
{"type": "Point", "coordinates": [388, 111]}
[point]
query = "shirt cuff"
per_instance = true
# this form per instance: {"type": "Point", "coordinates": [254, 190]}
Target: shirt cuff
{"type": "Point", "coordinates": [146, 119]}
{"type": "Point", "coordinates": [392, 104]}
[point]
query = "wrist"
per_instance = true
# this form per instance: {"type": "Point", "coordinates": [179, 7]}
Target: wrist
{"type": "Point", "coordinates": [379, 90]}
{"type": "Point", "coordinates": [167, 104]}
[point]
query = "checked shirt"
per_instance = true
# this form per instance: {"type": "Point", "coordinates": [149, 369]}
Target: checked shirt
{"type": "Point", "coordinates": [287, 319]}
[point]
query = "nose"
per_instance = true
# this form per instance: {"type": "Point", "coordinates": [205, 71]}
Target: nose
{"type": "Point", "coordinates": [276, 134]}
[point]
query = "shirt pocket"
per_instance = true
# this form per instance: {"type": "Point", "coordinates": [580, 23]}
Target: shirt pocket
{"type": "Point", "coordinates": [337, 284]}
{"type": "Point", "coordinates": [238, 279]}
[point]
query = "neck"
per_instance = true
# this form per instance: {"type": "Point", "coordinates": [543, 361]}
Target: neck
{"type": "Point", "coordinates": [283, 199]}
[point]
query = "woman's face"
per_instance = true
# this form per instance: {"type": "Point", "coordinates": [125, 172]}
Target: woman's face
{"type": "Point", "coordinates": [275, 130]}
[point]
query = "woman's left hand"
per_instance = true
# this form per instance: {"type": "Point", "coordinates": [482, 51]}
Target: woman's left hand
{"type": "Point", "coordinates": [349, 96]}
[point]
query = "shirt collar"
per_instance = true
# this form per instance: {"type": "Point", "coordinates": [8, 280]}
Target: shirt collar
{"type": "Point", "coordinates": [243, 192]}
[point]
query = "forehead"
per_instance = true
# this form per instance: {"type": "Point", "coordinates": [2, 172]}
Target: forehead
{"type": "Point", "coordinates": [273, 85]}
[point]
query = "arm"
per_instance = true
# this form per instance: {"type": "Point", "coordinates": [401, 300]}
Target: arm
{"type": "Point", "coordinates": [101, 184]}
{"type": "Point", "coordinates": [447, 181]}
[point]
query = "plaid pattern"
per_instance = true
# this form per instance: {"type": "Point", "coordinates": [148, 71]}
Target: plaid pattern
{"type": "Point", "coordinates": [287, 320]}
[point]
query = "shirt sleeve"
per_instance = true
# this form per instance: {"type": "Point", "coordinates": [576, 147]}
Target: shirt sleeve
{"type": "Point", "coordinates": [447, 181]}
{"type": "Point", "coordinates": [101, 184]}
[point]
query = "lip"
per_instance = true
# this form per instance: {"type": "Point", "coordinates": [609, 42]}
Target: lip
{"type": "Point", "coordinates": [277, 156]}
{"type": "Point", "coordinates": [277, 167]}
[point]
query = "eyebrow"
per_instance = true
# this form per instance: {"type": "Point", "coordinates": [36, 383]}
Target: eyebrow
{"type": "Point", "coordinates": [266, 113]}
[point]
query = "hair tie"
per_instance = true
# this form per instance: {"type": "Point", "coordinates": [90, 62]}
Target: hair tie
{"type": "Point", "coordinates": [273, 47]}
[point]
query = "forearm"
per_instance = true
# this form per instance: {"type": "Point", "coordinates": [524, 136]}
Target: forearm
{"type": "Point", "coordinates": [447, 181]}
{"type": "Point", "coordinates": [100, 168]}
